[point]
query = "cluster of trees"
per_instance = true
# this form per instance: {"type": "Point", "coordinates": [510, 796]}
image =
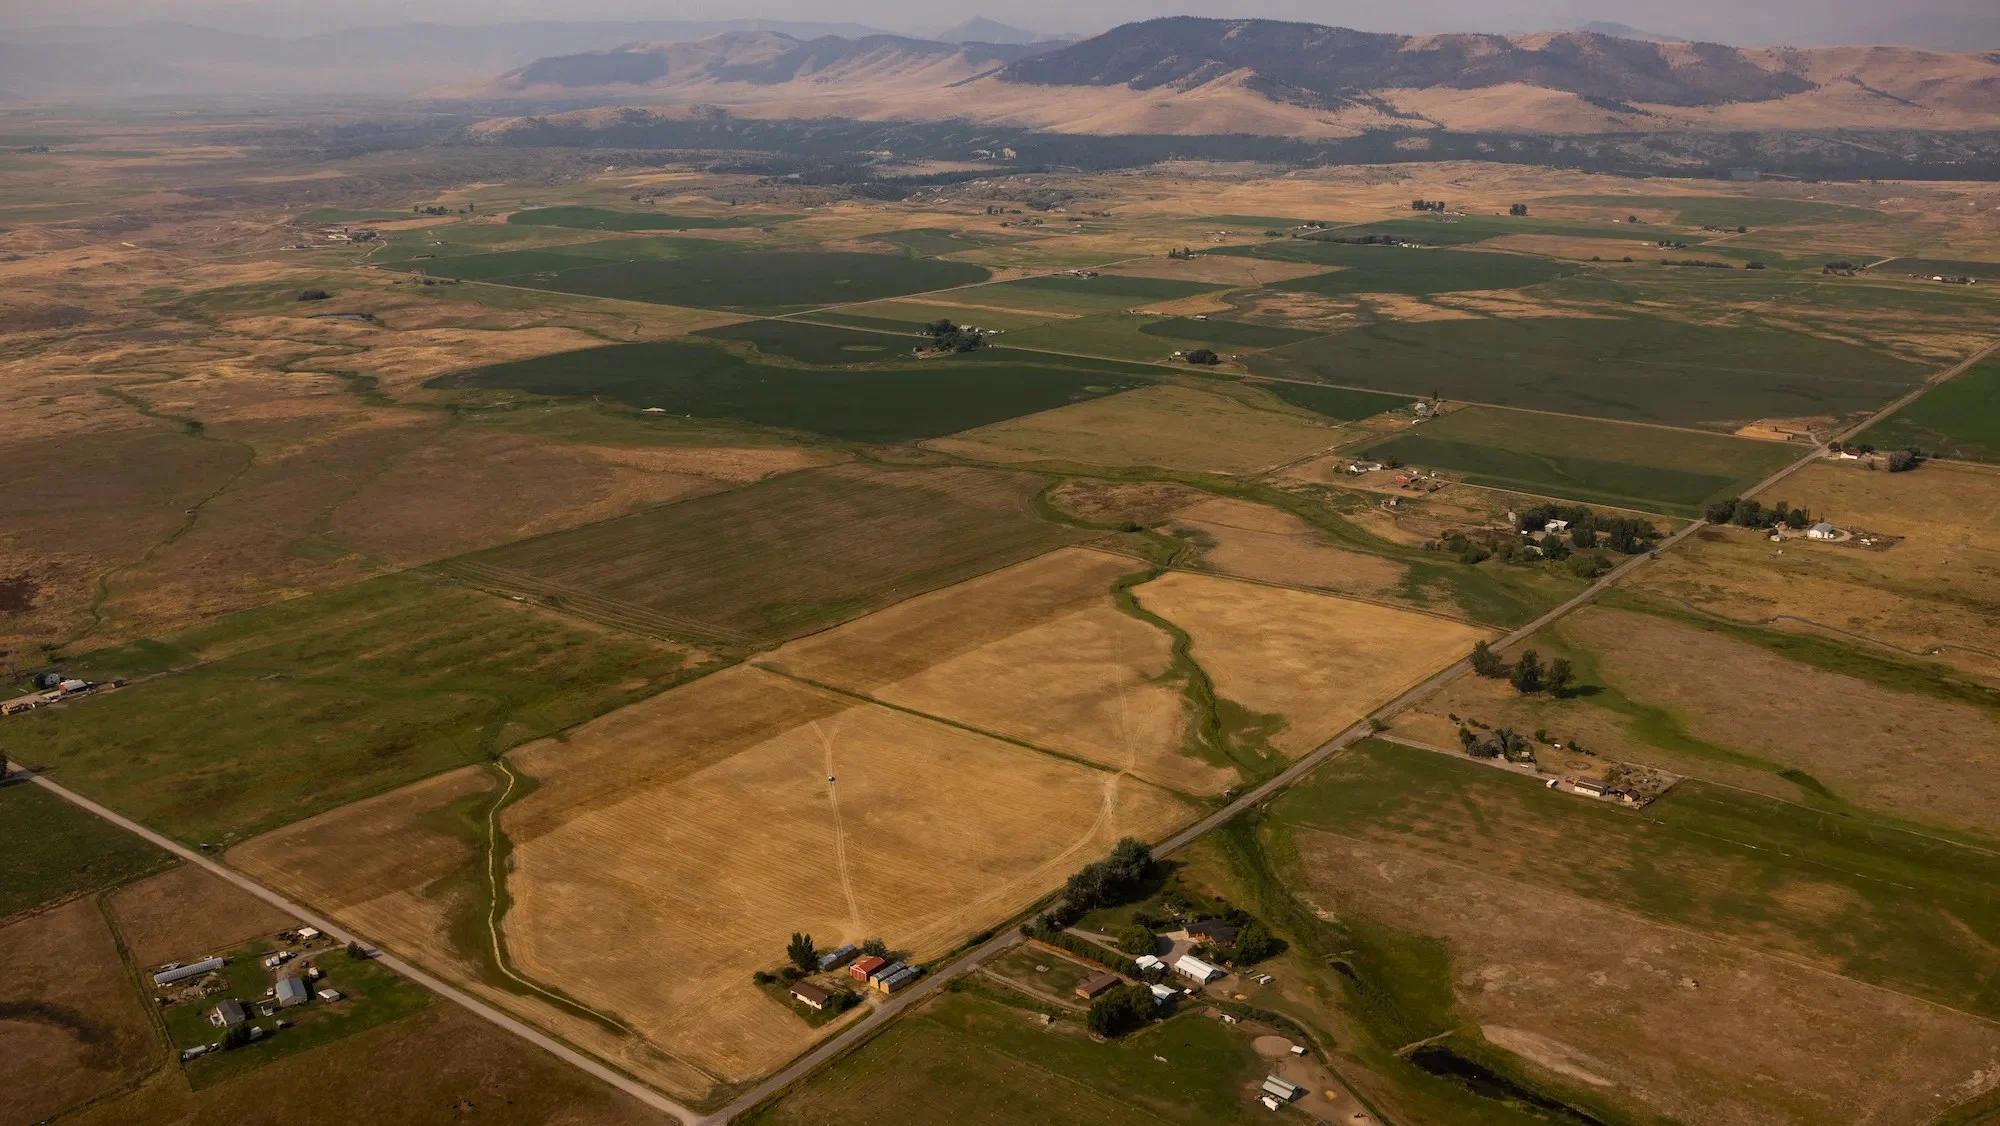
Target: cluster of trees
{"type": "Point", "coordinates": [1626, 535]}
{"type": "Point", "coordinates": [1081, 947]}
{"type": "Point", "coordinates": [1202, 356]}
{"type": "Point", "coordinates": [1704, 263]}
{"type": "Point", "coordinates": [1517, 209]}
{"type": "Point", "coordinates": [314, 295]}
{"type": "Point", "coordinates": [1366, 240]}
{"type": "Point", "coordinates": [1503, 742]}
{"type": "Point", "coordinates": [1183, 253]}
{"type": "Point", "coordinates": [1586, 564]}
{"type": "Point", "coordinates": [1254, 943]}
{"type": "Point", "coordinates": [438, 209]}
{"type": "Point", "coordinates": [1110, 880]}
{"type": "Point", "coordinates": [1527, 674]}
{"type": "Point", "coordinates": [948, 337]}
{"type": "Point", "coordinates": [1427, 205]}
{"type": "Point", "coordinates": [1841, 268]}
{"type": "Point", "coordinates": [1749, 513]}
{"type": "Point", "coordinates": [1122, 1010]}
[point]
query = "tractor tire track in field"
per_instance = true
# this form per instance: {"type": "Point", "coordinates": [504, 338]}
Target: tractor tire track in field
{"type": "Point", "coordinates": [839, 834]}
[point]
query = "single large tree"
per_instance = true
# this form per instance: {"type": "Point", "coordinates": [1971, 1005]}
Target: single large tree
{"type": "Point", "coordinates": [1528, 672]}
{"type": "Point", "coordinates": [800, 951]}
{"type": "Point", "coordinates": [1485, 661]}
{"type": "Point", "coordinates": [1560, 676]}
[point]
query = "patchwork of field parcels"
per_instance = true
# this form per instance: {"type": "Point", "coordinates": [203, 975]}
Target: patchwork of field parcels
{"type": "Point", "coordinates": [731, 566]}
{"type": "Point", "coordinates": [277, 713]}
{"type": "Point", "coordinates": [1212, 427]}
{"type": "Point", "coordinates": [1645, 467]}
{"type": "Point", "coordinates": [1932, 592]}
{"type": "Point", "coordinates": [58, 851]}
{"type": "Point", "coordinates": [1037, 652]}
{"type": "Point", "coordinates": [1635, 367]}
{"type": "Point", "coordinates": [1402, 269]}
{"type": "Point", "coordinates": [1959, 418]}
{"type": "Point", "coordinates": [1755, 932]}
{"type": "Point", "coordinates": [1913, 742]}
{"type": "Point", "coordinates": [1255, 541]}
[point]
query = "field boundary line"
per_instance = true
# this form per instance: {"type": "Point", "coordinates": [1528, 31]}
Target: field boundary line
{"type": "Point", "coordinates": [585, 1062]}
{"type": "Point", "coordinates": [1641, 917]}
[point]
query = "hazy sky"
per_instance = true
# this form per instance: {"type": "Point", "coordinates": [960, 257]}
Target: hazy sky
{"type": "Point", "coordinates": [1760, 21]}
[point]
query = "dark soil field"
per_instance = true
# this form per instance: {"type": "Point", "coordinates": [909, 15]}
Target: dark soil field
{"type": "Point", "coordinates": [278, 713]}
{"type": "Point", "coordinates": [784, 556]}
{"type": "Point", "coordinates": [1402, 269]}
{"type": "Point", "coordinates": [1958, 419]}
{"type": "Point", "coordinates": [1639, 368]}
{"type": "Point", "coordinates": [879, 403]}
{"type": "Point", "coordinates": [1674, 472]}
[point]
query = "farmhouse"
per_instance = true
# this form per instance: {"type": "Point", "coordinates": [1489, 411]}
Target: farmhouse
{"type": "Point", "coordinates": [1096, 984]}
{"type": "Point", "coordinates": [1822, 531]}
{"type": "Point", "coordinates": [182, 973]}
{"type": "Point", "coordinates": [810, 995]}
{"type": "Point", "coordinates": [292, 991]}
{"type": "Point", "coordinates": [865, 968]}
{"type": "Point", "coordinates": [227, 1014]}
{"type": "Point", "coordinates": [1190, 966]}
{"type": "Point", "coordinates": [1213, 930]}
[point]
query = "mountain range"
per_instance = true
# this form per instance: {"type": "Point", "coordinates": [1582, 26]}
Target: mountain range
{"type": "Point", "coordinates": [1187, 75]}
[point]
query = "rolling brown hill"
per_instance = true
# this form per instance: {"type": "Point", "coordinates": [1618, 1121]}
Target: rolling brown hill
{"type": "Point", "coordinates": [1187, 75]}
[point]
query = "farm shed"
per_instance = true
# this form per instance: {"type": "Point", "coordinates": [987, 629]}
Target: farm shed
{"type": "Point", "coordinates": [182, 973]}
{"type": "Point", "coordinates": [1822, 531]}
{"type": "Point", "coordinates": [1163, 994]}
{"type": "Point", "coordinates": [228, 1013]}
{"type": "Point", "coordinates": [1095, 984]}
{"type": "Point", "coordinates": [1147, 963]}
{"type": "Point", "coordinates": [292, 991]}
{"type": "Point", "coordinates": [896, 978]}
{"type": "Point", "coordinates": [1214, 930]}
{"type": "Point", "coordinates": [836, 956]}
{"type": "Point", "coordinates": [865, 968]}
{"type": "Point", "coordinates": [1190, 966]}
{"type": "Point", "coordinates": [1283, 1089]}
{"type": "Point", "coordinates": [810, 995]}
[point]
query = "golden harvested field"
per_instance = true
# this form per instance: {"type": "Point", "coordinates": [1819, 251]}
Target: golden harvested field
{"type": "Point", "coordinates": [1228, 429]}
{"type": "Point", "coordinates": [71, 1023]}
{"type": "Point", "coordinates": [187, 912]}
{"type": "Point", "coordinates": [1037, 652]}
{"type": "Point", "coordinates": [670, 848]}
{"type": "Point", "coordinates": [1317, 661]}
{"type": "Point", "coordinates": [1256, 541]}
{"type": "Point", "coordinates": [1659, 1015]}
{"type": "Point", "coordinates": [1934, 595]}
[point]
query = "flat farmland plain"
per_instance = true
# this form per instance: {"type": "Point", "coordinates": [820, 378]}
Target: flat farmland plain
{"type": "Point", "coordinates": [714, 822]}
{"type": "Point", "coordinates": [783, 556]}
{"type": "Point", "coordinates": [1644, 467]}
{"type": "Point", "coordinates": [72, 1025]}
{"type": "Point", "coordinates": [1037, 652]}
{"type": "Point", "coordinates": [1255, 541]}
{"type": "Point", "coordinates": [1402, 269]}
{"type": "Point", "coordinates": [1222, 428]}
{"type": "Point", "coordinates": [1317, 661]}
{"type": "Point", "coordinates": [1935, 595]}
{"type": "Point", "coordinates": [1638, 368]}
{"type": "Point", "coordinates": [1958, 419]}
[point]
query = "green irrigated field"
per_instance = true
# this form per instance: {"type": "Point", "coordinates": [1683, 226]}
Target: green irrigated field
{"type": "Point", "coordinates": [898, 402]}
{"type": "Point", "coordinates": [1639, 368]}
{"type": "Point", "coordinates": [1916, 911]}
{"type": "Point", "coordinates": [1939, 267]}
{"type": "Point", "coordinates": [1461, 230]}
{"type": "Point", "coordinates": [970, 1058]}
{"type": "Point", "coordinates": [1646, 467]}
{"type": "Point", "coordinates": [1335, 402]}
{"type": "Point", "coordinates": [291, 709]}
{"type": "Point", "coordinates": [1402, 269]}
{"type": "Point", "coordinates": [706, 274]}
{"type": "Point", "coordinates": [1225, 334]}
{"type": "Point", "coordinates": [939, 241]}
{"type": "Point", "coordinates": [1067, 292]}
{"type": "Point", "coordinates": [784, 556]}
{"type": "Point", "coordinates": [55, 850]}
{"type": "Point", "coordinates": [1732, 211]}
{"type": "Point", "coordinates": [817, 344]}
{"type": "Point", "coordinates": [605, 219]}
{"type": "Point", "coordinates": [1959, 418]}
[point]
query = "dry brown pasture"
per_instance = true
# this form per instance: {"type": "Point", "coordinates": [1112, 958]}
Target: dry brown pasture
{"type": "Point", "coordinates": [442, 1065]}
{"type": "Point", "coordinates": [1256, 541]}
{"type": "Point", "coordinates": [1693, 1028]}
{"type": "Point", "coordinates": [1173, 426]}
{"type": "Point", "coordinates": [1036, 652]}
{"type": "Point", "coordinates": [187, 912]}
{"type": "Point", "coordinates": [72, 1027]}
{"type": "Point", "coordinates": [1145, 503]}
{"type": "Point", "coordinates": [702, 823]}
{"type": "Point", "coordinates": [1318, 661]}
{"type": "Point", "coordinates": [1935, 595]}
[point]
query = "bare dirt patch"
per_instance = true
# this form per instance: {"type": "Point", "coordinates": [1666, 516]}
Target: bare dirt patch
{"type": "Point", "coordinates": [71, 1023]}
{"type": "Point", "coordinates": [1318, 661]}
{"type": "Point", "coordinates": [1037, 652]}
{"type": "Point", "coordinates": [1675, 1020]}
{"type": "Point", "coordinates": [928, 834]}
{"type": "Point", "coordinates": [185, 913]}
